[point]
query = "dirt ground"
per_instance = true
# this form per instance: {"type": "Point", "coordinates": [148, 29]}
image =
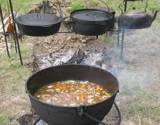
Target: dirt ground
{"type": "Point", "coordinates": [138, 74]}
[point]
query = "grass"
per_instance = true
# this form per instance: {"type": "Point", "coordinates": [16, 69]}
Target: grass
{"type": "Point", "coordinates": [11, 67]}
{"type": "Point", "coordinates": [76, 5]}
{"type": "Point", "coordinates": [23, 5]}
{"type": "Point", "coordinates": [20, 5]}
{"type": "Point", "coordinates": [143, 106]}
{"type": "Point", "coordinates": [13, 77]}
{"type": "Point", "coordinates": [3, 120]}
{"type": "Point", "coordinates": [114, 4]}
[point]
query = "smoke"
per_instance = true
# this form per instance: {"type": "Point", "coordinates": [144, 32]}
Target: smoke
{"type": "Point", "coordinates": [140, 66]}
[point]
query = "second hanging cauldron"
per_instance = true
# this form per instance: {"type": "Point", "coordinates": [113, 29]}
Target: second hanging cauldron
{"type": "Point", "coordinates": [92, 22]}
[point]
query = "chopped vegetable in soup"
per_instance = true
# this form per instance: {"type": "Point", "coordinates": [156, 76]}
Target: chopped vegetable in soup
{"type": "Point", "coordinates": [72, 93]}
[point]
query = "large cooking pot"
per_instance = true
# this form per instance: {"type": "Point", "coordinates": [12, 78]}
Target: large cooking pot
{"type": "Point", "coordinates": [58, 115]}
{"type": "Point", "coordinates": [38, 24]}
{"type": "Point", "coordinates": [92, 22]}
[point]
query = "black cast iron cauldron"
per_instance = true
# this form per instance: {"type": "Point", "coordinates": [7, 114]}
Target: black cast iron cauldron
{"type": "Point", "coordinates": [92, 22]}
{"type": "Point", "coordinates": [57, 115]}
{"type": "Point", "coordinates": [38, 24]}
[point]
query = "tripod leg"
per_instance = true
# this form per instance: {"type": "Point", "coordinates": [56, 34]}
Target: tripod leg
{"type": "Point", "coordinates": [15, 42]}
{"type": "Point", "coordinates": [122, 43]}
{"type": "Point", "coordinates": [15, 31]}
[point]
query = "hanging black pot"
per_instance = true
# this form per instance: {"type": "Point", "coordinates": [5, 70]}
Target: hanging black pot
{"type": "Point", "coordinates": [92, 22]}
{"type": "Point", "coordinates": [38, 24]}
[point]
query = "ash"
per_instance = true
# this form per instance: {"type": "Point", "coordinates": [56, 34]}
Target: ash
{"type": "Point", "coordinates": [75, 50]}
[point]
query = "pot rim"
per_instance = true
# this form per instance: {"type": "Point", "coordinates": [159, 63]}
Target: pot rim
{"type": "Point", "coordinates": [57, 106]}
{"type": "Point", "coordinates": [110, 16]}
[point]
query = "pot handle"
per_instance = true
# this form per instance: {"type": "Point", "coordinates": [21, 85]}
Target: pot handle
{"type": "Point", "coordinates": [82, 112]}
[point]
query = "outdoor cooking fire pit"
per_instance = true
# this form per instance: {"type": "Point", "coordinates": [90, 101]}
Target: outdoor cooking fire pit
{"type": "Point", "coordinates": [82, 115]}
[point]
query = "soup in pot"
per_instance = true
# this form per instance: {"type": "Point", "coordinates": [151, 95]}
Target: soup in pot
{"type": "Point", "coordinates": [72, 93]}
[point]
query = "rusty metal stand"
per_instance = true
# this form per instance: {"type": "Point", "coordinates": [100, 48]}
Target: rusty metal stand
{"type": "Point", "coordinates": [15, 33]}
{"type": "Point", "coordinates": [4, 33]}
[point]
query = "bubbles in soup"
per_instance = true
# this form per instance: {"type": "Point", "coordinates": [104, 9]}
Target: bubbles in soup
{"type": "Point", "coordinates": [72, 93]}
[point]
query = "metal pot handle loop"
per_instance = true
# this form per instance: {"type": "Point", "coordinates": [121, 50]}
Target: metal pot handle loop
{"type": "Point", "coordinates": [94, 119]}
{"type": "Point", "coordinates": [82, 112]}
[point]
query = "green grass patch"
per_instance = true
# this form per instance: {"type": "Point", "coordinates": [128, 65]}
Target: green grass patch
{"type": "Point", "coordinates": [13, 77]}
{"type": "Point", "coordinates": [77, 5]}
{"type": "Point", "coordinates": [20, 5]}
{"type": "Point", "coordinates": [3, 120]}
{"type": "Point", "coordinates": [12, 73]}
{"type": "Point", "coordinates": [144, 104]}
